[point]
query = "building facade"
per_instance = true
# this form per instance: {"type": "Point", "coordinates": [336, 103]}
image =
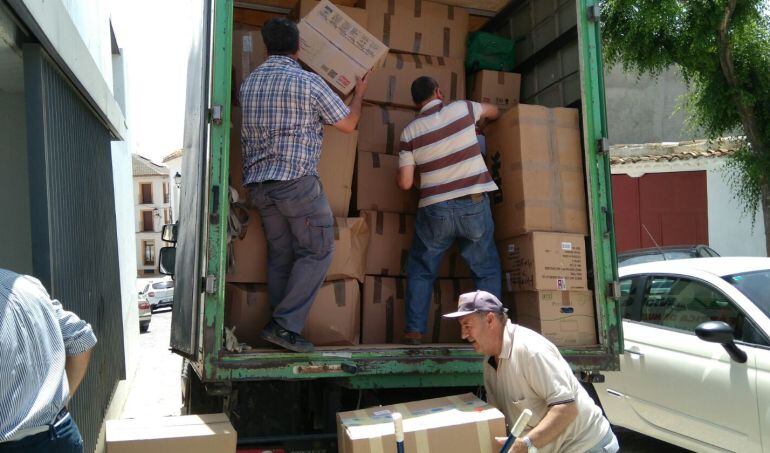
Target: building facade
{"type": "Point", "coordinates": [173, 162]}
{"type": "Point", "coordinates": [152, 198]}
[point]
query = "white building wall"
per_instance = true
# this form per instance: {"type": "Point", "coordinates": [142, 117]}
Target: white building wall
{"type": "Point", "coordinates": [158, 220]}
{"type": "Point", "coordinates": [92, 20]}
{"type": "Point", "coordinates": [730, 230]}
{"type": "Point", "coordinates": [174, 167]}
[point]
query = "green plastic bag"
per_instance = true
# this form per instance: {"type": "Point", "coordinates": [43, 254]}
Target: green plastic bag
{"type": "Point", "coordinates": [488, 51]}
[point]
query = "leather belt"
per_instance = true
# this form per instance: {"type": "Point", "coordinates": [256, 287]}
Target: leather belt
{"type": "Point", "coordinates": [473, 197]}
{"type": "Point", "coordinates": [26, 432]}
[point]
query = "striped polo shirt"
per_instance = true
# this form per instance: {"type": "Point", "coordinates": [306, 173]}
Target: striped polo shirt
{"type": "Point", "coordinates": [441, 141]}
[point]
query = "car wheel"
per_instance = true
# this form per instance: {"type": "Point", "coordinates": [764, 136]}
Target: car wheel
{"type": "Point", "coordinates": [143, 328]}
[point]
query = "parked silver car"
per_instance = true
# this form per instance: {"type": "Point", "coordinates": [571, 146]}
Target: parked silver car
{"type": "Point", "coordinates": [159, 293]}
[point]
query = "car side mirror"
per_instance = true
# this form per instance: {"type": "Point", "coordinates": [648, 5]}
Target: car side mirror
{"type": "Point", "coordinates": [720, 332]}
{"type": "Point", "coordinates": [169, 232]}
{"type": "Point", "coordinates": [167, 260]}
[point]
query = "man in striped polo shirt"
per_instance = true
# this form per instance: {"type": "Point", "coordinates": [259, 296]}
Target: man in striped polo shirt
{"type": "Point", "coordinates": [441, 144]}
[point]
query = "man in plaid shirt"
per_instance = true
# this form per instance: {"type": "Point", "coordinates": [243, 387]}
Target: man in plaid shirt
{"type": "Point", "coordinates": [284, 110]}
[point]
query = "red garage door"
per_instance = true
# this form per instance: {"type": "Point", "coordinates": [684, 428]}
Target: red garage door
{"type": "Point", "coordinates": [672, 206]}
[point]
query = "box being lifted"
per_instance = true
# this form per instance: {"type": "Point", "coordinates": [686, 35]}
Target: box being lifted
{"type": "Point", "coordinates": [336, 47]}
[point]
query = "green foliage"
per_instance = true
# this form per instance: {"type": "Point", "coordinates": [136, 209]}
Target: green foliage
{"type": "Point", "coordinates": [649, 36]}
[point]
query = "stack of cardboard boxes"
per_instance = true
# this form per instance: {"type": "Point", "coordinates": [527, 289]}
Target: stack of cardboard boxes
{"type": "Point", "coordinates": [535, 156]}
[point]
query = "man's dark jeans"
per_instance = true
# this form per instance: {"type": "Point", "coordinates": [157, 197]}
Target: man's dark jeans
{"type": "Point", "coordinates": [436, 227]}
{"type": "Point", "coordinates": [61, 438]}
{"type": "Point", "coordinates": [298, 225]}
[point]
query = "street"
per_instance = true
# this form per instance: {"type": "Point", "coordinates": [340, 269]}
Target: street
{"type": "Point", "coordinates": [156, 390]}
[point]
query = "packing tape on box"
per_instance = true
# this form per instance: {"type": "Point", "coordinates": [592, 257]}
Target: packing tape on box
{"type": "Point", "coordinates": [557, 215]}
{"type": "Point", "coordinates": [391, 88]}
{"type": "Point", "coordinates": [399, 61]}
{"type": "Point", "coordinates": [418, 61]}
{"type": "Point", "coordinates": [565, 300]}
{"type": "Point", "coordinates": [482, 428]}
{"type": "Point", "coordinates": [375, 160]}
{"type": "Point", "coordinates": [390, 134]}
{"type": "Point", "coordinates": [386, 30]}
{"type": "Point", "coordinates": [377, 291]}
{"type": "Point", "coordinates": [417, 8]}
{"type": "Point", "coordinates": [379, 227]}
{"type": "Point", "coordinates": [389, 319]}
{"type": "Point", "coordinates": [500, 78]}
{"type": "Point", "coordinates": [339, 292]}
{"type": "Point", "coordinates": [417, 42]}
{"type": "Point", "coordinates": [336, 229]}
{"type": "Point", "coordinates": [447, 36]}
{"type": "Point", "coordinates": [450, 12]}
{"type": "Point", "coordinates": [391, 7]}
{"type": "Point", "coordinates": [420, 436]}
{"type": "Point", "coordinates": [453, 89]}
{"type": "Point", "coordinates": [437, 311]}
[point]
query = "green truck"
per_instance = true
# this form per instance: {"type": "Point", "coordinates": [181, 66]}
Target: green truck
{"type": "Point", "coordinates": [279, 398]}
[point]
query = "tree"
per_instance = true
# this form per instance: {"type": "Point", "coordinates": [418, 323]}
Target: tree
{"type": "Point", "coordinates": [722, 48]}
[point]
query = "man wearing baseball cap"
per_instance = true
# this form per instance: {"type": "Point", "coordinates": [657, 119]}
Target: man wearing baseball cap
{"type": "Point", "coordinates": [523, 370]}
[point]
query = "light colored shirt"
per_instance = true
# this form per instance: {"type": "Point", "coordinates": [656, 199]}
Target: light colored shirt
{"type": "Point", "coordinates": [532, 374]}
{"type": "Point", "coordinates": [36, 334]}
{"type": "Point", "coordinates": [441, 141]}
{"type": "Point", "coordinates": [284, 110]}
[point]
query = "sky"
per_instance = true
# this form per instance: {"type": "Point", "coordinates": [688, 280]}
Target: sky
{"type": "Point", "coordinates": [155, 37]}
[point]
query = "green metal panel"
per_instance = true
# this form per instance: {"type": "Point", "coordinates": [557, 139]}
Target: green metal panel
{"type": "Point", "coordinates": [409, 367]}
{"type": "Point", "coordinates": [218, 187]}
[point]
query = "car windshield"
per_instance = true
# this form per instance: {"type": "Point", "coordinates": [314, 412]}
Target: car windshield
{"type": "Point", "coordinates": [649, 258]}
{"type": "Point", "coordinates": [163, 285]}
{"type": "Point", "coordinates": [754, 285]}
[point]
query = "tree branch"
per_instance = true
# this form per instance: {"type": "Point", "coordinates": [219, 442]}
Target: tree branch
{"type": "Point", "coordinates": [745, 112]}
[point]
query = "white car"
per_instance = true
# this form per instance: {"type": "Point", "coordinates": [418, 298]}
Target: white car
{"type": "Point", "coordinates": [682, 378]}
{"type": "Point", "coordinates": [159, 293]}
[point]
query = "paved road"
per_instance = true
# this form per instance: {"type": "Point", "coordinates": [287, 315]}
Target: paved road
{"type": "Point", "coordinates": [156, 391]}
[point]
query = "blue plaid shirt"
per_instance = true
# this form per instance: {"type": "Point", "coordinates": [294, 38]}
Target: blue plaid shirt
{"type": "Point", "coordinates": [284, 109]}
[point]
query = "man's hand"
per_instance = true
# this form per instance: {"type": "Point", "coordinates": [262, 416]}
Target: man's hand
{"type": "Point", "coordinates": [361, 84]}
{"type": "Point", "coordinates": [518, 445]}
{"type": "Point", "coordinates": [349, 123]}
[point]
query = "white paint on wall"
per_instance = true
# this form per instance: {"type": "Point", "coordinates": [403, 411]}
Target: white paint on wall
{"type": "Point", "coordinates": [730, 230]}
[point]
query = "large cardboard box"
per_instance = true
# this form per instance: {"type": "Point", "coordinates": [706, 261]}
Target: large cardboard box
{"type": "Point", "coordinates": [544, 261]}
{"type": "Point", "coordinates": [414, 8]}
{"type": "Point", "coordinates": [384, 310]}
{"type": "Point", "coordinates": [536, 160]}
{"type": "Point", "coordinates": [391, 84]}
{"type": "Point", "coordinates": [351, 237]}
{"type": "Point", "coordinates": [334, 319]}
{"type": "Point", "coordinates": [247, 310]}
{"type": "Point", "coordinates": [496, 87]}
{"type": "Point", "coordinates": [376, 187]}
{"type": "Point", "coordinates": [461, 423]}
{"type": "Point", "coordinates": [304, 7]}
{"type": "Point", "coordinates": [567, 318]}
{"type": "Point", "coordinates": [336, 47]}
{"type": "Point", "coordinates": [380, 127]}
{"type": "Point", "coordinates": [249, 253]}
{"type": "Point", "coordinates": [335, 167]}
{"type": "Point", "coordinates": [249, 51]}
{"type": "Point", "coordinates": [433, 36]}
{"type": "Point", "coordinates": [390, 238]}
{"type": "Point", "coordinates": [208, 433]}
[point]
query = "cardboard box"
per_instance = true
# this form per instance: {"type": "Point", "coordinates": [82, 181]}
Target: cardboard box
{"type": "Point", "coordinates": [334, 319]}
{"type": "Point", "coordinates": [391, 84]}
{"type": "Point", "coordinates": [351, 237]}
{"type": "Point", "coordinates": [249, 52]}
{"type": "Point", "coordinates": [335, 168]}
{"type": "Point", "coordinates": [336, 47]}
{"type": "Point", "coordinates": [384, 310]}
{"type": "Point", "coordinates": [380, 127]}
{"type": "Point", "coordinates": [304, 7]}
{"type": "Point", "coordinates": [414, 8]}
{"type": "Point", "coordinates": [209, 433]}
{"type": "Point", "coordinates": [536, 159]}
{"type": "Point", "coordinates": [376, 187]}
{"type": "Point", "coordinates": [567, 318]}
{"type": "Point", "coordinates": [422, 35]}
{"type": "Point", "coordinates": [496, 87]}
{"type": "Point", "coordinates": [390, 238]}
{"type": "Point", "coordinates": [248, 310]}
{"type": "Point", "coordinates": [544, 261]}
{"type": "Point", "coordinates": [461, 423]}
{"type": "Point", "coordinates": [383, 307]}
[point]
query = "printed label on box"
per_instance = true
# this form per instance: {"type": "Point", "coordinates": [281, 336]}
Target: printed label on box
{"type": "Point", "coordinates": [561, 283]}
{"type": "Point", "coordinates": [566, 246]}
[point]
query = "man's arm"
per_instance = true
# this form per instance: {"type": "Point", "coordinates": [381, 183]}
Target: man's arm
{"type": "Point", "coordinates": [349, 123]}
{"type": "Point", "coordinates": [556, 420]}
{"type": "Point", "coordinates": [76, 366]}
{"type": "Point", "coordinates": [489, 112]}
{"type": "Point", "coordinates": [405, 177]}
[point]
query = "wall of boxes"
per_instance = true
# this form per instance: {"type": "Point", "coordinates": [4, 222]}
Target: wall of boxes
{"type": "Point", "coordinates": [534, 154]}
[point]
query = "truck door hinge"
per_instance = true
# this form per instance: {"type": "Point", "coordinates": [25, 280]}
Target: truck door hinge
{"type": "Point", "coordinates": [210, 284]}
{"type": "Point", "coordinates": [215, 114]}
{"type": "Point", "coordinates": [594, 13]}
{"type": "Point", "coordinates": [613, 290]}
{"type": "Point", "coordinates": [603, 145]}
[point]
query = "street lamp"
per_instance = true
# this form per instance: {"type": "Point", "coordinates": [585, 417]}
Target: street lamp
{"type": "Point", "coordinates": [178, 180]}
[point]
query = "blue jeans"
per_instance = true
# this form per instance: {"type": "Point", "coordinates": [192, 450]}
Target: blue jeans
{"type": "Point", "coordinates": [608, 444]}
{"type": "Point", "coordinates": [298, 225]}
{"type": "Point", "coordinates": [436, 227]}
{"type": "Point", "coordinates": [61, 438]}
